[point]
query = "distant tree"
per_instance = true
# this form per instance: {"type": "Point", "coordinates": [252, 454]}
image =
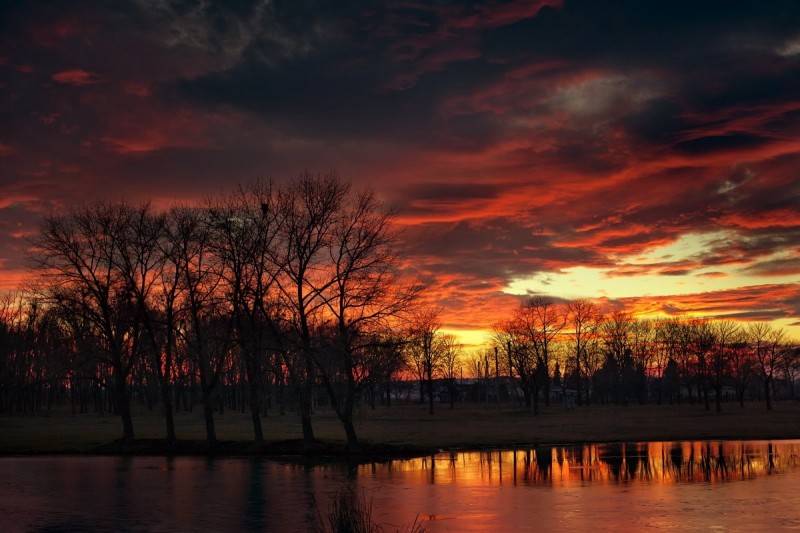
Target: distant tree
{"type": "Point", "coordinates": [705, 338]}
{"type": "Point", "coordinates": [643, 355]}
{"type": "Point", "coordinates": [671, 381]}
{"type": "Point", "coordinates": [662, 354]}
{"type": "Point", "coordinates": [386, 362]}
{"type": "Point", "coordinates": [512, 335]}
{"type": "Point", "coordinates": [475, 365]}
{"type": "Point", "coordinates": [741, 365]}
{"type": "Point", "coordinates": [726, 335]}
{"type": "Point", "coordinates": [684, 354]}
{"type": "Point", "coordinates": [28, 368]}
{"type": "Point", "coordinates": [766, 344]}
{"type": "Point", "coordinates": [616, 346]}
{"type": "Point", "coordinates": [424, 348]}
{"type": "Point", "coordinates": [790, 367]}
{"type": "Point", "coordinates": [583, 319]}
{"type": "Point", "coordinates": [542, 321]}
{"type": "Point", "coordinates": [451, 357]}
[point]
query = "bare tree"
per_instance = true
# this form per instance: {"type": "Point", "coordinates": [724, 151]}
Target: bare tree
{"type": "Point", "coordinates": [726, 335]}
{"type": "Point", "coordinates": [643, 354]}
{"type": "Point", "coordinates": [616, 334]}
{"type": "Point", "coordinates": [386, 362]}
{"type": "Point", "coordinates": [790, 367]}
{"type": "Point", "coordinates": [542, 320]}
{"type": "Point", "coordinates": [512, 335]}
{"type": "Point", "coordinates": [309, 207]}
{"type": "Point", "coordinates": [451, 357]}
{"type": "Point", "coordinates": [363, 296]}
{"type": "Point", "coordinates": [246, 228]}
{"type": "Point", "coordinates": [583, 319]}
{"type": "Point", "coordinates": [77, 257]}
{"type": "Point", "coordinates": [205, 327]}
{"type": "Point", "coordinates": [741, 365]}
{"type": "Point", "coordinates": [666, 349]}
{"type": "Point", "coordinates": [704, 342]}
{"type": "Point", "coordinates": [424, 348]}
{"type": "Point", "coordinates": [766, 343]}
{"type": "Point", "coordinates": [145, 269]}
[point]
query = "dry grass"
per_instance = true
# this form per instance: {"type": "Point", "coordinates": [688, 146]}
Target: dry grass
{"type": "Point", "coordinates": [468, 425]}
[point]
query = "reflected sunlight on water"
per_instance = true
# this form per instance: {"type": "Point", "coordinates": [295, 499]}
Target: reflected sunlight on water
{"type": "Point", "coordinates": [646, 462]}
{"type": "Point", "coordinates": [663, 486]}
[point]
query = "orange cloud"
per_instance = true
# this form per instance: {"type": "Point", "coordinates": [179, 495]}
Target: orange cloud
{"type": "Point", "coordinates": [76, 77]}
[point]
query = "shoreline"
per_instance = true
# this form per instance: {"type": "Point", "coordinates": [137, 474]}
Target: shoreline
{"type": "Point", "coordinates": [400, 432]}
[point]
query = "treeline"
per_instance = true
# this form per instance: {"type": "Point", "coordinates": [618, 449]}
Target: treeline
{"type": "Point", "coordinates": [615, 357]}
{"type": "Point", "coordinates": [278, 296]}
{"type": "Point", "coordinates": [266, 292]}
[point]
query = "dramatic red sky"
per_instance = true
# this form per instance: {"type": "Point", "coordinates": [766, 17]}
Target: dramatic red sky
{"type": "Point", "coordinates": [647, 154]}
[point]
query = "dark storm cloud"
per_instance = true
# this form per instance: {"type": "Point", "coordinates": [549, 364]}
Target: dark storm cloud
{"type": "Point", "coordinates": [657, 121]}
{"type": "Point", "coordinates": [722, 143]}
{"type": "Point", "coordinates": [453, 191]}
{"type": "Point", "coordinates": [633, 33]}
{"type": "Point", "coordinates": [496, 249]}
{"type": "Point", "coordinates": [334, 75]}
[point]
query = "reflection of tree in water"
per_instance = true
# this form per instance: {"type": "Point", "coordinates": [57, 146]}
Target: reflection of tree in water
{"type": "Point", "coordinates": [537, 464]}
{"type": "Point", "coordinates": [611, 454]}
{"type": "Point", "coordinates": [722, 462]}
{"type": "Point", "coordinates": [676, 460]}
{"type": "Point", "coordinates": [770, 458]}
{"type": "Point", "coordinates": [544, 461]}
{"type": "Point", "coordinates": [685, 462]}
{"type": "Point", "coordinates": [714, 462]}
{"type": "Point", "coordinates": [638, 461]}
{"type": "Point", "coordinates": [661, 462]}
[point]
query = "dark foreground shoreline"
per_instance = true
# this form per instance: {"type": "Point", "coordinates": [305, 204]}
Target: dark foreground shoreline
{"type": "Point", "coordinates": [290, 448]}
{"type": "Point", "coordinates": [400, 432]}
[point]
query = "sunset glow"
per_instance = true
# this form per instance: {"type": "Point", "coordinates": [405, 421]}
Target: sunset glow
{"type": "Point", "coordinates": [645, 155]}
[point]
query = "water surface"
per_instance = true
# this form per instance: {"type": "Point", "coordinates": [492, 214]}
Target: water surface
{"type": "Point", "coordinates": [694, 486]}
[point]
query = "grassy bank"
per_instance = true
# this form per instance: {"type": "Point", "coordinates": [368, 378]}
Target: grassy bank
{"type": "Point", "coordinates": [410, 426]}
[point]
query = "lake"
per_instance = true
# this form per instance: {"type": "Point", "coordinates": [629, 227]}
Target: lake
{"type": "Point", "coordinates": [662, 486]}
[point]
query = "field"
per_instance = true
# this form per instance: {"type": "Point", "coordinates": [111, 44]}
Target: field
{"type": "Point", "coordinates": [468, 425]}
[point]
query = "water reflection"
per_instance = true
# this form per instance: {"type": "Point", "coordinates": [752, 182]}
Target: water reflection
{"type": "Point", "coordinates": [654, 486]}
{"type": "Point", "coordinates": [626, 463]}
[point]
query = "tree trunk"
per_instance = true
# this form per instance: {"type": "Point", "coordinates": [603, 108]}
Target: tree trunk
{"type": "Point", "coordinates": [208, 415]}
{"type": "Point", "coordinates": [123, 404]}
{"type": "Point", "coordinates": [255, 406]}
{"type": "Point", "coordinates": [166, 400]}
{"type": "Point", "coordinates": [350, 430]}
{"type": "Point", "coordinates": [165, 380]}
{"type": "Point", "coordinates": [430, 394]}
{"type": "Point", "coordinates": [547, 391]}
{"type": "Point", "coordinates": [306, 400]}
{"type": "Point", "coordinates": [255, 415]}
{"type": "Point", "coordinates": [767, 394]}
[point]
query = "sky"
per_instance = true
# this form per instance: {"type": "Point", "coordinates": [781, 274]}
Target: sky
{"type": "Point", "coordinates": [646, 154]}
